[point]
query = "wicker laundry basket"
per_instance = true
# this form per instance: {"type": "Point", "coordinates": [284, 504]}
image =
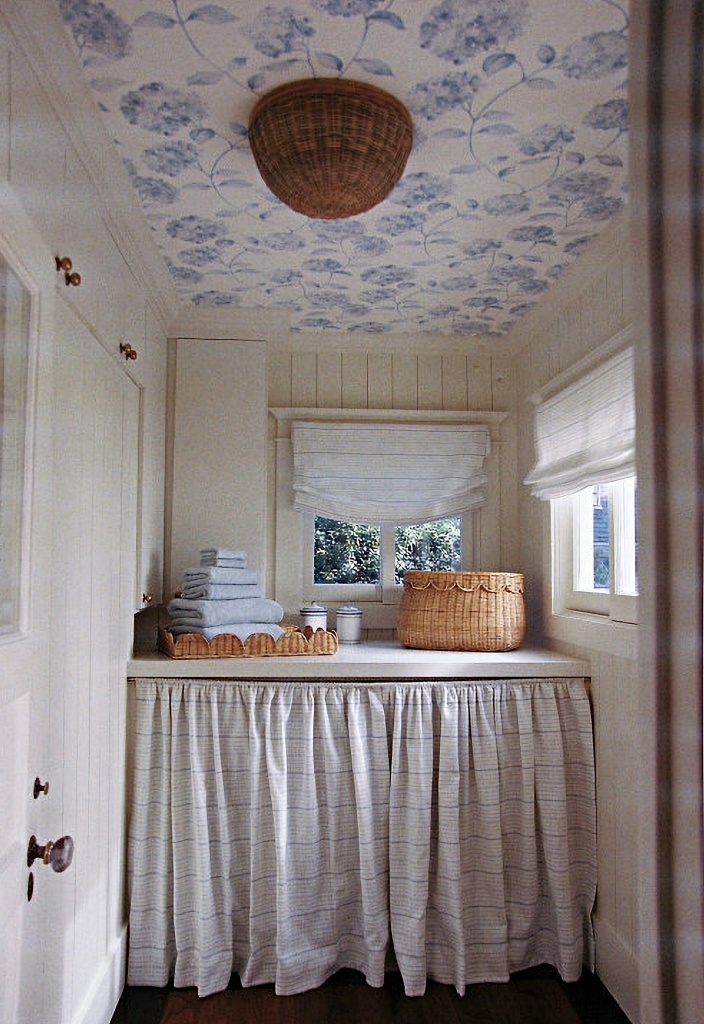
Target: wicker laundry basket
{"type": "Point", "coordinates": [462, 611]}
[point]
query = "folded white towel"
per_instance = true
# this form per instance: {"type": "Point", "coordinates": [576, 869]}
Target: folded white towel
{"type": "Point", "coordinates": [241, 590]}
{"type": "Point", "coordinates": [223, 553]}
{"type": "Point", "coordinates": [225, 563]}
{"type": "Point", "coordinates": [218, 574]}
{"type": "Point", "coordinates": [224, 557]}
{"type": "Point", "coordinates": [219, 591]}
{"type": "Point", "coordinates": [240, 629]}
{"type": "Point", "coordinates": [215, 613]}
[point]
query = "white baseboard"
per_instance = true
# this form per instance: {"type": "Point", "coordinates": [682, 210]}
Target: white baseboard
{"type": "Point", "coordinates": [103, 996]}
{"type": "Point", "coordinates": [617, 968]}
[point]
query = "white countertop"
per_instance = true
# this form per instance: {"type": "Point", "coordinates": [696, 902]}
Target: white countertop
{"type": "Point", "coordinates": [366, 662]}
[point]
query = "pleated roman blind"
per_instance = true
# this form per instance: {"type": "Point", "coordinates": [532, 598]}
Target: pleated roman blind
{"type": "Point", "coordinates": [388, 473]}
{"type": "Point", "coordinates": [585, 433]}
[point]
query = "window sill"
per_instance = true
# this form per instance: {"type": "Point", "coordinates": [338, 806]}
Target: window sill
{"type": "Point", "coordinates": [584, 629]}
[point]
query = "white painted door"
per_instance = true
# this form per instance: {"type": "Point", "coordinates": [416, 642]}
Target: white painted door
{"type": "Point", "coordinates": [25, 538]}
{"type": "Point", "coordinates": [62, 670]}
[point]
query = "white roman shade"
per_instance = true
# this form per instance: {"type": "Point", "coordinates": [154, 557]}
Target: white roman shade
{"type": "Point", "coordinates": [388, 473]}
{"type": "Point", "coordinates": [585, 433]}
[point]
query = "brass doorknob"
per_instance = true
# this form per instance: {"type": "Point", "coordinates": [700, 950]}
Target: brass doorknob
{"type": "Point", "coordinates": [58, 854]}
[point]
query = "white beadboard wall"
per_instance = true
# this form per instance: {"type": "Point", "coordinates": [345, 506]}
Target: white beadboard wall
{"type": "Point", "coordinates": [588, 311]}
{"type": "Point", "coordinates": [450, 381]}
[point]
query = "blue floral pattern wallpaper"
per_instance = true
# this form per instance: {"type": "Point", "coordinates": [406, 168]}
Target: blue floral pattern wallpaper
{"type": "Point", "coordinates": [519, 159]}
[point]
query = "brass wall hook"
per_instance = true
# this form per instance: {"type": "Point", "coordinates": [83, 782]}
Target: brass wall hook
{"type": "Point", "coordinates": [40, 787]}
{"type": "Point", "coordinates": [70, 276]}
{"type": "Point", "coordinates": [129, 352]}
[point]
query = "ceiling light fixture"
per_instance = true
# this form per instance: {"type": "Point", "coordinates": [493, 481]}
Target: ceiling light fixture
{"type": "Point", "coordinates": [330, 147]}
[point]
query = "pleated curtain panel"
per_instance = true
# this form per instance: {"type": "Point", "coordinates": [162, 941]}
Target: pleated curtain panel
{"type": "Point", "coordinates": [585, 433]}
{"type": "Point", "coordinates": [388, 473]}
{"type": "Point", "coordinates": [284, 830]}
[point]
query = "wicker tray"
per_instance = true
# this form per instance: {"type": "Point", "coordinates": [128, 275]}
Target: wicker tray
{"type": "Point", "coordinates": [294, 642]}
{"type": "Point", "coordinates": [462, 611]}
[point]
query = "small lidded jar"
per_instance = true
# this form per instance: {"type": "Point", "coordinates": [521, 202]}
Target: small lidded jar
{"type": "Point", "coordinates": [349, 624]}
{"type": "Point", "coordinates": [314, 615]}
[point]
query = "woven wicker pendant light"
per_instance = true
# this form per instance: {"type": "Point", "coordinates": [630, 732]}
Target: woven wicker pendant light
{"type": "Point", "coordinates": [330, 147]}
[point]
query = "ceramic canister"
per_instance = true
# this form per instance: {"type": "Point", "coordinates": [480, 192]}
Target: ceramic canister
{"type": "Point", "coordinates": [349, 624]}
{"type": "Point", "coordinates": [314, 615]}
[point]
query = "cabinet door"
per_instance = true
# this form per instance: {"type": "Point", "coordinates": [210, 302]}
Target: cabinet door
{"type": "Point", "coordinates": [92, 581]}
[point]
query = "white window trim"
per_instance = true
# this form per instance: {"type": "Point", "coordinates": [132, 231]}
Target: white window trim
{"type": "Point", "coordinates": [570, 517]}
{"type": "Point", "coordinates": [387, 592]}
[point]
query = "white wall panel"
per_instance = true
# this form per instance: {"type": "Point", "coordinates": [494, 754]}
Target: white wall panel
{"type": "Point", "coordinates": [354, 380]}
{"type": "Point", "coordinates": [303, 381]}
{"type": "Point", "coordinates": [404, 381]}
{"type": "Point", "coordinates": [94, 502]}
{"type": "Point", "coordinates": [219, 452]}
{"type": "Point", "coordinates": [328, 375]}
{"type": "Point", "coordinates": [380, 387]}
{"type": "Point", "coordinates": [578, 326]}
{"type": "Point", "coordinates": [430, 382]}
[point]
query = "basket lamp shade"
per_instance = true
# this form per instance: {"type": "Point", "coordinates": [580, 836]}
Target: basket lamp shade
{"type": "Point", "coordinates": [330, 147]}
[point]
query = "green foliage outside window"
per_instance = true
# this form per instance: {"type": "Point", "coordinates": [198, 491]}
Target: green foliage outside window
{"type": "Point", "coordinates": [350, 552]}
{"type": "Point", "coordinates": [435, 546]}
{"type": "Point", "coordinates": [345, 552]}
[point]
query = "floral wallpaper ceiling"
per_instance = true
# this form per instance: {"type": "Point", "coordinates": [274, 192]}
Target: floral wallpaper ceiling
{"type": "Point", "coordinates": [519, 158]}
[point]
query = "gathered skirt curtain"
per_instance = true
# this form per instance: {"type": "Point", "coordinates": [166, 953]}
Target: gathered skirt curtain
{"type": "Point", "coordinates": [282, 831]}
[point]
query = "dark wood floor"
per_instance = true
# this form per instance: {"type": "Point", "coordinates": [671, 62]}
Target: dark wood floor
{"type": "Point", "coordinates": [531, 997]}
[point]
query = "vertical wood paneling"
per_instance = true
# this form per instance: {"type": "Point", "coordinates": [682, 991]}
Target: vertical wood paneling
{"type": "Point", "coordinates": [575, 329]}
{"type": "Point", "coordinates": [303, 383]}
{"type": "Point", "coordinates": [430, 382]}
{"type": "Point", "coordinates": [37, 154]}
{"type": "Point", "coordinates": [279, 369]}
{"type": "Point", "coordinates": [5, 107]}
{"type": "Point", "coordinates": [549, 363]}
{"type": "Point", "coordinates": [479, 383]}
{"type": "Point", "coordinates": [92, 591]}
{"type": "Point", "coordinates": [454, 382]}
{"type": "Point", "coordinates": [380, 386]}
{"type": "Point", "coordinates": [354, 380]}
{"type": "Point", "coordinates": [404, 383]}
{"type": "Point", "coordinates": [598, 307]}
{"type": "Point", "coordinates": [608, 756]}
{"type": "Point", "coordinates": [567, 347]}
{"type": "Point", "coordinates": [152, 442]}
{"type": "Point", "coordinates": [614, 296]}
{"type": "Point", "coordinates": [329, 380]}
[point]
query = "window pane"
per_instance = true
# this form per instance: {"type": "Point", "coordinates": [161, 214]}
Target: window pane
{"type": "Point", "coordinates": [14, 330]}
{"type": "Point", "coordinates": [600, 554]}
{"type": "Point", "coordinates": [345, 552]}
{"type": "Point", "coordinates": [433, 546]}
{"type": "Point", "coordinates": [625, 519]}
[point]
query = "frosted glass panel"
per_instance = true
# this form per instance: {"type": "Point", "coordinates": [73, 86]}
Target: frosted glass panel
{"type": "Point", "coordinates": [14, 349]}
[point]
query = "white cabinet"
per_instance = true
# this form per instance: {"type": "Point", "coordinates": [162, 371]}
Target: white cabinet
{"type": "Point", "coordinates": [219, 451]}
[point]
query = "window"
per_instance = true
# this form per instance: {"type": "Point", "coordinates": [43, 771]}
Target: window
{"type": "Point", "coordinates": [585, 434]}
{"type": "Point", "coordinates": [370, 561]}
{"type": "Point", "coordinates": [15, 326]}
{"type": "Point", "coordinates": [595, 545]}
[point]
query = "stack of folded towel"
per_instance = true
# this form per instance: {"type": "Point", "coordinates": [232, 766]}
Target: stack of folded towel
{"type": "Point", "coordinates": [223, 596]}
